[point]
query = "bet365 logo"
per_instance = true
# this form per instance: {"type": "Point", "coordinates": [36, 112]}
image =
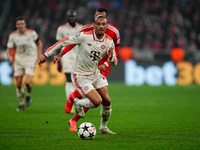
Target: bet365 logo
{"type": "Point", "coordinates": [181, 73]}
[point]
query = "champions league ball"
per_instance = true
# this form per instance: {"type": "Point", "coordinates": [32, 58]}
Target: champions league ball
{"type": "Point", "coordinates": [87, 131]}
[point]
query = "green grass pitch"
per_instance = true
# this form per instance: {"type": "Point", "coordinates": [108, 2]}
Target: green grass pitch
{"type": "Point", "coordinates": [144, 117]}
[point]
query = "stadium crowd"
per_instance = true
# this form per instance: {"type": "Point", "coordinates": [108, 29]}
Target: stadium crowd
{"type": "Point", "coordinates": [156, 25]}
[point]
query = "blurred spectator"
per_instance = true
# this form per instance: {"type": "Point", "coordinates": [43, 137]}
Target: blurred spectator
{"type": "Point", "coordinates": [155, 25]}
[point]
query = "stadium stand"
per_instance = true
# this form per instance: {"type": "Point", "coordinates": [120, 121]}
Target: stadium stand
{"type": "Point", "coordinates": [152, 25]}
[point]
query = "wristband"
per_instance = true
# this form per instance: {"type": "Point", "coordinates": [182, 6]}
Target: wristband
{"type": "Point", "coordinates": [105, 63]}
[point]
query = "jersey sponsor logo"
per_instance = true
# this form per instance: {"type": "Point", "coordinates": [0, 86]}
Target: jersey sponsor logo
{"type": "Point", "coordinates": [86, 88]}
{"type": "Point", "coordinates": [103, 47]}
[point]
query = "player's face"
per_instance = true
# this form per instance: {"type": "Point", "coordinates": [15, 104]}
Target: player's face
{"type": "Point", "coordinates": [101, 14]}
{"type": "Point", "coordinates": [21, 25]}
{"type": "Point", "coordinates": [72, 19]}
{"type": "Point", "coordinates": [100, 26]}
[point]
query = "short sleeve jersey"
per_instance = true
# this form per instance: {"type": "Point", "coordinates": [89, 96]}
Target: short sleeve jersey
{"type": "Point", "coordinates": [111, 31]}
{"type": "Point", "coordinates": [90, 50]}
{"type": "Point", "coordinates": [65, 31]}
{"type": "Point", "coordinates": [25, 44]}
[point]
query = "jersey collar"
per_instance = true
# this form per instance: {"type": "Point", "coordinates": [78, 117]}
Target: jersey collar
{"type": "Point", "coordinates": [95, 37]}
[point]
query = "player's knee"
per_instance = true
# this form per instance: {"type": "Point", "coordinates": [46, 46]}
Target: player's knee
{"type": "Point", "coordinates": [27, 82]}
{"type": "Point", "coordinates": [106, 103]}
{"type": "Point", "coordinates": [19, 86]}
{"type": "Point", "coordinates": [97, 102]}
{"type": "Point", "coordinates": [106, 100]}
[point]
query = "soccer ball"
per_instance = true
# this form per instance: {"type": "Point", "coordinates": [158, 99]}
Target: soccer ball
{"type": "Point", "coordinates": [87, 131]}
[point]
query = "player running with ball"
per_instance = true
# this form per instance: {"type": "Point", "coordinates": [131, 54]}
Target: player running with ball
{"type": "Point", "coordinates": [90, 83]}
{"type": "Point", "coordinates": [103, 66]}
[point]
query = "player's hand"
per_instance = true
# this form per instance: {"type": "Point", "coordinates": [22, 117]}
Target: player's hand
{"type": "Point", "coordinates": [56, 58]}
{"type": "Point", "coordinates": [42, 59]}
{"type": "Point", "coordinates": [59, 67]}
{"type": "Point", "coordinates": [110, 53]}
{"type": "Point", "coordinates": [102, 67]}
{"type": "Point", "coordinates": [11, 60]}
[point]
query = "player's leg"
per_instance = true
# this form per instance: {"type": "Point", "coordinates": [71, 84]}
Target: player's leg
{"type": "Point", "coordinates": [74, 120]}
{"type": "Point", "coordinates": [84, 87]}
{"type": "Point", "coordinates": [29, 73]}
{"type": "Point", "coordinates": [69, 88]}
{"type": "Point", "coordinates": [68, 107]}
{"type": "Point", "coordinates": [70, 100]}
{"type": "Point", "coordinates": [28, 85]}
{"type": "Point", "coordinates": [20, 93]}
{"type": "Point", "coordinates": [92, 100]}
{"type": "Point", "coordinates": [105, 111]}
{"type": "Point", "coordinates": [18, 74]}
{"type": "Point", "coordinates": [101, 86]}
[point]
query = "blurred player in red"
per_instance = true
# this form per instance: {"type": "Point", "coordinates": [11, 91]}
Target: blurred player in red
{"type": "Point", "coordinates": [104, 68]}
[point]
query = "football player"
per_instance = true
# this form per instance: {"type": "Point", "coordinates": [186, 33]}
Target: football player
{"type": "Point", "coordinates": [28, 47]}
{"type": "Point", "coordinates": [93, 45]}
{"type": "Point", "coordinates": [104, 67]}
{"type": "Point", "coordinates": [65, 30]}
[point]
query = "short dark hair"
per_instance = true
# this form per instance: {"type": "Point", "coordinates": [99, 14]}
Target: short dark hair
{"type": "Point", "coordinates": [71, 12]}
{"type": "Point", "coordinates": [20, 18]}
{"type": "Point", "coordinates": [101, 9]}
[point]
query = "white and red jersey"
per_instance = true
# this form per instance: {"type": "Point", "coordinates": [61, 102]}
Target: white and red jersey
{"type": "Point", "coordinates": [67, 30]}
{"type": "Point", "coordinates": [25, 45]}
{"type": "Point", "coordinates": [90, 50]}
{"type": "Point", "coordinates": [111, 31]}
{"type": "Point", "coordinates": [63, 31]}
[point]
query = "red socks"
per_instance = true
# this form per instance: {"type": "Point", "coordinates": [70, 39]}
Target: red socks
{"type": "Point", "coordinates": [76, 117]}
{"type": "Point", "coordinates": [77, 94]}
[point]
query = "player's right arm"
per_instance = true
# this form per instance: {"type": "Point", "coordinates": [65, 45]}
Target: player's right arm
{"type": "Point", "coordinates": [10, 55]}
{"type": "Point", "coordinates": [10, 48]}
{"type": "Point", "coordinates": [86, 27]}
{"type": "Point", "coordinates": [71, 40]}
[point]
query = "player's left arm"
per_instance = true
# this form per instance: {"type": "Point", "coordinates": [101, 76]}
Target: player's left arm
{"type": "Point", "coordinates": [112, 57]}
{"type": "Point", "coordinates": [106, 63]}
{"type": "Point", "coordinates": [116, 40]}
{"type": "Point", "coordinates": [39, 47]}
{"type": "Point", "coordinates": [71, 40]}
{"type": "Point", "coordinates": [38, 43]}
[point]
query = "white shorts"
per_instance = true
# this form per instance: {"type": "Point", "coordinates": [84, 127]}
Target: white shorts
{"type": "Point", "coordinates": [85, 84]}
{"type": "Point", "coordinates": [21, 68]}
